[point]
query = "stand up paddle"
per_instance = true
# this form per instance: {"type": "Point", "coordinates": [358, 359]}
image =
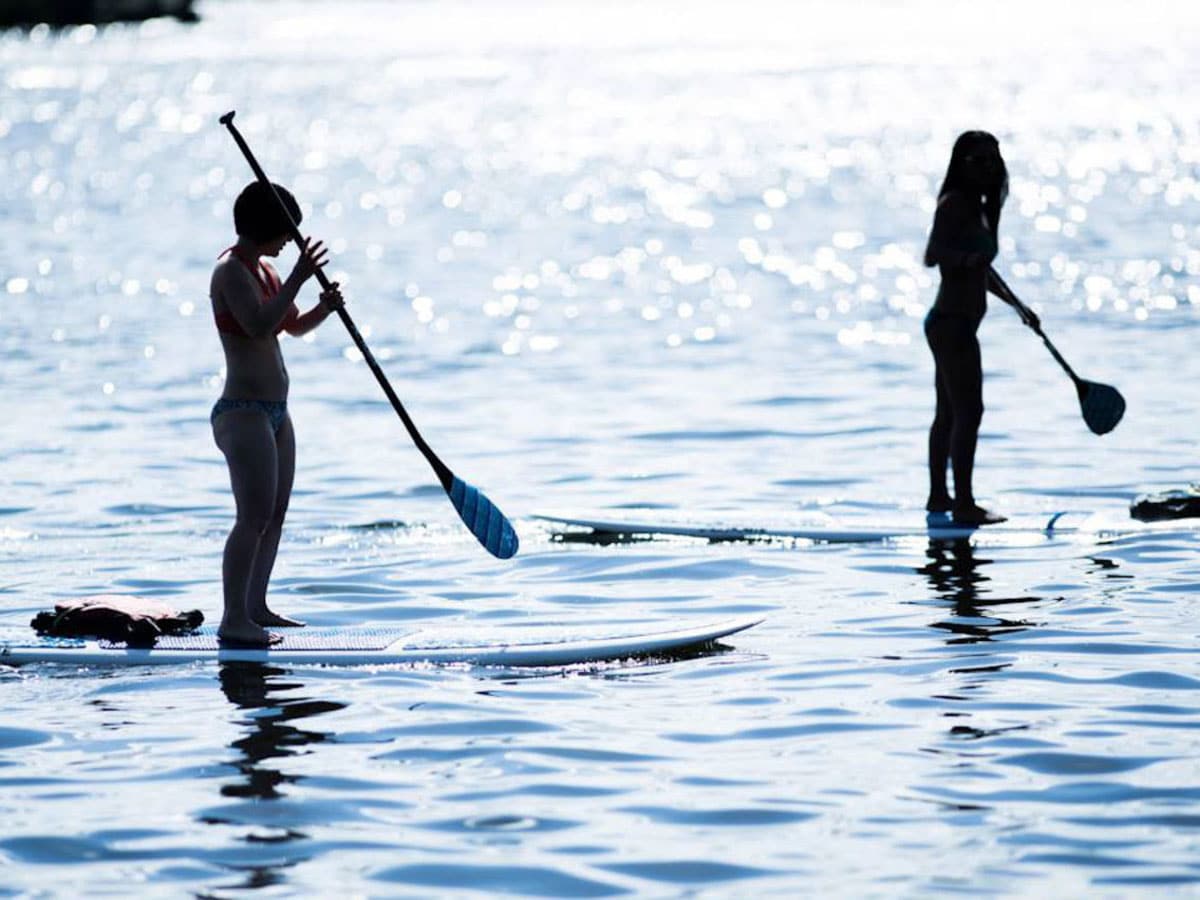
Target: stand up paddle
{"type": "Point", "coordinates": [1101, 404]}
{"type": "Point", "coordinates": [479, 514]}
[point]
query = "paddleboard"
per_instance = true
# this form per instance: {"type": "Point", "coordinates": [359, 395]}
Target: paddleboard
{"type": "Point", "coordinates": [815, 527]}
{"type": "Point", "coordinates": [384, 646]}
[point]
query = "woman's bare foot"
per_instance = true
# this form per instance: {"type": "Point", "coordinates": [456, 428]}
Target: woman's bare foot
{"type": "Point", "coordinates": [939, 503]}
{"type": "Point", "coordinates": [976, 515]}
{"type": "Point", "coordinates": [275, 620]}
{"type": "Point", "coordinates": [246, 634]}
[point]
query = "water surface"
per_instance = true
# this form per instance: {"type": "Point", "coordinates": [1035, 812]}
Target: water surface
{"type": "Point", "coordinates": [609, 257]}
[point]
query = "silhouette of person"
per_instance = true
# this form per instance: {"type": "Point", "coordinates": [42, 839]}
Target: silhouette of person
{"type": "Point", "coordinates": [962, 244]}
{"type": "Point", "coordinates": [250, 421]}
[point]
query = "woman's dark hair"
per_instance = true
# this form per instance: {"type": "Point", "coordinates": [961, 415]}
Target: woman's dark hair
{"type": "Point", "coordinates": [258, 217]}
{"type": "Point", "coordinates": [957, 179]}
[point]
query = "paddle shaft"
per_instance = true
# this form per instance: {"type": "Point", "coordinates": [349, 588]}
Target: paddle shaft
{"type": "Point", "coordinates": [1080, 385]}
{"type": "Point", "coordinates": [445, 476]}
{"type": "Point", "coordinates": [1036, 329]}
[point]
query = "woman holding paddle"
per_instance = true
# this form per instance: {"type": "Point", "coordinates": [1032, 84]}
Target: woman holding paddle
{"type": "Point", "coordinates": [962, 244]}
{"type": "Point", "coordinates": [251, 307]}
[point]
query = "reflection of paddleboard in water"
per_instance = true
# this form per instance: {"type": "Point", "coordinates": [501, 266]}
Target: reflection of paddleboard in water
{"type": "Point", "coordinates": [818, 527]}
{"type": "Point", "coordinates": [383, 646]}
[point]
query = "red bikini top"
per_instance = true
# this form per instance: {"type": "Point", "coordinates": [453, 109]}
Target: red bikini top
{"type": "Point", "coordinates": [270, 284]}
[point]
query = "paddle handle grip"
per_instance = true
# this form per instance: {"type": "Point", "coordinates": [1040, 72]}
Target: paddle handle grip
{"type": "Point", "coordinates": [444, 475]}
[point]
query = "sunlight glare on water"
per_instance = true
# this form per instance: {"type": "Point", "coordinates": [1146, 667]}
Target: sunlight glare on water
{"type": "Point", "coordinates": [610, 255]}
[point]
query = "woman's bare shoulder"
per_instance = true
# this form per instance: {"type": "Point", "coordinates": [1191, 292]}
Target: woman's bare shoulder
{"type": "Point", "coordinates": [229, 273]}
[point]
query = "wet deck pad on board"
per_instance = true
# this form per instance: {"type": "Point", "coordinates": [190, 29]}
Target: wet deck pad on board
{"type": "Point", "coordinates": [318, 639]}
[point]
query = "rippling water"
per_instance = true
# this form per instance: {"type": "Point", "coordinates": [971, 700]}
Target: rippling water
{"type": "Point", "coordinates": [621, 256]}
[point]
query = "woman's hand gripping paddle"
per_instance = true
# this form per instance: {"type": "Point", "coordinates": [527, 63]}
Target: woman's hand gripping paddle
{"type": "Point", "coordinates": [480, 515]}
{"type": "Point", "coordinates": [1102, 404]}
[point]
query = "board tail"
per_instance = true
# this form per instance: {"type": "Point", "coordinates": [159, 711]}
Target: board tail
{"type": "Point", "coordinates": [484, 519]}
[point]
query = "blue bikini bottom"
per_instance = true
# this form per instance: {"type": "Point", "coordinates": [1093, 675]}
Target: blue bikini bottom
{"type": "Point", "coordinates": [275, 410]}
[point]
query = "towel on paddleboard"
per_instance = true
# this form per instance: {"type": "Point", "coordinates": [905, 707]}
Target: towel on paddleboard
{"type": "Point", "coordinates": [135, 621]}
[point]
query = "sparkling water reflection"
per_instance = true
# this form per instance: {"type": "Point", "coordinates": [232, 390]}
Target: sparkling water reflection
{"type": "Point", "coordinates": [611, 256]}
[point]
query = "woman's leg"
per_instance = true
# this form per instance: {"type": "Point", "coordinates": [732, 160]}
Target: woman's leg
{"type": "Point", "coordinates": [268, 545]}
{"type": "Point", "coordinates": [964, 387]}
{"type": "Point", "coordinates": [248, 441]}
{"type": "Point", "coordinates": [939, 432]}
{"type": "Point", "coordinates": [939, 447]}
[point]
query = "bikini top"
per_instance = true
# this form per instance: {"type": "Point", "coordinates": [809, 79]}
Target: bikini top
{"type": "Point", "coordinates": [270, 284]}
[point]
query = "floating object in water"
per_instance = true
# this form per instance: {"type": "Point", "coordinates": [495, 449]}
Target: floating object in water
{"type": "Point", "coordinates": [1177, 504]}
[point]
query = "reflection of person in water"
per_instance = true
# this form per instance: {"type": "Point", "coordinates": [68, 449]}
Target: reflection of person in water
{"type": "Point", "coordinates": [954, 573]}
{"type": "Point", "coordinates": [267, 736]}
{"type": "Point", "coordinates": [962, 244]}
{"type": "Point", "coordinates": [252, 686]}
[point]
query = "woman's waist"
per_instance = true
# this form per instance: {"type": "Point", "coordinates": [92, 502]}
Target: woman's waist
{"type": "Point", "coordinates": [953, 317]}
{"type": "Point", "coordinates": [961, 301]}
{"type": "Point", "coordinates": [272, 389]}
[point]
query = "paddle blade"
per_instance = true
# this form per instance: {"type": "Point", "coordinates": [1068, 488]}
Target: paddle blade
{"type": "Point", "coordinates": [484, 519]}
{"type": "Point", "coordinates": [1102, 406]}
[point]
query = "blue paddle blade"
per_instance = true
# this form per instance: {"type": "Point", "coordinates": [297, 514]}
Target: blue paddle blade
{"type": "Point", "coordinates": [484, 520]}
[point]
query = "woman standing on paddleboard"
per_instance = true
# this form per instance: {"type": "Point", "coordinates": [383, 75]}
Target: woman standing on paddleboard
{"type": "Point", "coordinates": [252, 307]}
{"type": "Point", "coordinates": [962, 245]}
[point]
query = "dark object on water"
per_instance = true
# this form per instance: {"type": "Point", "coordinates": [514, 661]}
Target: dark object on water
{"type": "Point", "coordinates": [1177, 504]}
{"type": "Point", "coordinates": [84, 12]}
{"type": "Point", "coordinates": [113, 617]}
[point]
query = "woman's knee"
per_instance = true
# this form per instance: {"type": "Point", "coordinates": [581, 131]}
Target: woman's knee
{"type": "Point", "coordinates": [970, 413]}
{"type": "Point", "coordinates": [256, 523]}
{"type": "Point", "coordinates": [277, 518]}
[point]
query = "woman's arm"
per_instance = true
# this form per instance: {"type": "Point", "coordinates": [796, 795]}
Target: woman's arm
{"type": "Point", "coordinates": [241, 294]}
{"type": "Point", "coordinates": [240, 291]}
{"type": "Point", "coordinates": [996, 285]}
{"type": "Point", "coordinates": [954, 228]}
{"type": "Point", "coordinates": [331, 300]}
{"type": "Point", "coordinates": [998, 288]}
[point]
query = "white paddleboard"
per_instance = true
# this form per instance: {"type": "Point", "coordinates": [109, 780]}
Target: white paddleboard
{"type": "Point", "coordinates": [384, 646]}
{"type": "Point", "coordinates": [814, 527]}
